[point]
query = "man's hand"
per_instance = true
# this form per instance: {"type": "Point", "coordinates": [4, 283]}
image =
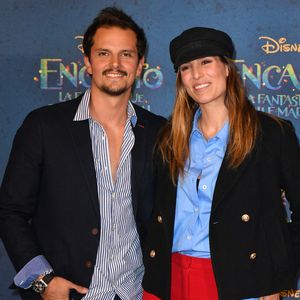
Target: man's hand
{"type": "Point", "coordinates": [59, 289]}
{"type": "Point", "coordinates": [271, 297]}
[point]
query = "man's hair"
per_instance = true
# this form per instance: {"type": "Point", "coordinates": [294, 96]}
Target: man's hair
{"type": "Point", "coordinates": [110, 17]}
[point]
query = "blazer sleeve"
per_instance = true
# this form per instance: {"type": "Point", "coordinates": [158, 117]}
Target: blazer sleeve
{"type": "Point", "coordinates": [290, 165]}
{"type": "Point", "coordinates": [19, 192]}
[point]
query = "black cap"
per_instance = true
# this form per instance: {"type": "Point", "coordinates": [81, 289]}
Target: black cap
{"type": "Point", "coordinates": [199, 42]}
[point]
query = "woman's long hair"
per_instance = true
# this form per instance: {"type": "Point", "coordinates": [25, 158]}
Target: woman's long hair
{"type": "Point", "coordinates": [243, 124]}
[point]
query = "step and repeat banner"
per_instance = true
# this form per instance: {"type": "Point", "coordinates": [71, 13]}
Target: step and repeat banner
{"type": "Point", "coordinates": [41, 60]}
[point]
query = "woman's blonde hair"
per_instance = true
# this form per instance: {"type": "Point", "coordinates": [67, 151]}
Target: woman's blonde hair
{"type": "Point", "coordinates": [243, 124]}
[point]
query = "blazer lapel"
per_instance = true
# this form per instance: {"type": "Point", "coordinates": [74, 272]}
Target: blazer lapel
{"type": "Point", "coordinates": [227, 179]}
{"type": "Point", "coordinates": [80, 134]}
{"type": "Point", "coordinates": [137, 160]}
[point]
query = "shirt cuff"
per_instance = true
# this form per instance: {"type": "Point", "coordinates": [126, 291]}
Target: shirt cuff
{"type": "Point", "coordinates": [33, 269]}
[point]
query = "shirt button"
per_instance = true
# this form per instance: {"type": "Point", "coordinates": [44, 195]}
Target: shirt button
{"type": "Point", "coordinates": [113, 195]}
{"type": "Point", "coordinates": [94, 231]}
{"type": "Point", "coordinates": [204, 186]}
{"type": "Point", "coordinates": [245, 218]}
{"type": "Point", "coordinates": [114, 226]}
{"type": "Point", "coordinates": [88, 264]}
{"type": "Point", "coordinates": [189, 237]}
{"type": "Point", "coordinates": [196, 209]}
{"type": "Point", "coordinates": [152, 253]}
{"type": "Point", "coordinates": [253, 255]}
{"type": "Point", "coordinates": [159, 219]}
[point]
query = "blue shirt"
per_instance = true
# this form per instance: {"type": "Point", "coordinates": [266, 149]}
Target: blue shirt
{"type": "Point", "coordinates": [195, 192]}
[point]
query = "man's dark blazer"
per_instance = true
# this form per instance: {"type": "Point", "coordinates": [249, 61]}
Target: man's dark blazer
{"type": "Point", "coordinates": [254, 251]}
{"type": "Point", "coordinates": [48, 199]}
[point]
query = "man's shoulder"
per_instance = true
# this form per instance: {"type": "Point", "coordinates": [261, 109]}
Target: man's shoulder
{"type": "Point", "coordinates": [62, 108]}
{"type": "Point", "coordinates": [148, 116]}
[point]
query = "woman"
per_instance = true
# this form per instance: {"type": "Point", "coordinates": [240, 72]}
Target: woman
{"type": "Point", "coordinates": [219, 229]}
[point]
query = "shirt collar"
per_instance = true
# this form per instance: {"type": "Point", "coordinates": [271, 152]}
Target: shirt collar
{"type": "Point", "coordinates": [83, 112]}
{"type": "Point", "coordinates": [222, 135]}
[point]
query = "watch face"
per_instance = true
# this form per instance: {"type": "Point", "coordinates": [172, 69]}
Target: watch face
{"type": "Point", "coordinates": [39, 286]}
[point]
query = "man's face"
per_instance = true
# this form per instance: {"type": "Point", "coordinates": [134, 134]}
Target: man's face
{"type": "Point", "coordinates": [114, 63]}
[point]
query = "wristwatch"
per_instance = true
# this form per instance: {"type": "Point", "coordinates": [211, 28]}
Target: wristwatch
{"type": "Point", "coordinates": [40, 284]}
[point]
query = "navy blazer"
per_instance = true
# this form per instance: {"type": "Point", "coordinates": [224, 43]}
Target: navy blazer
{"type": "Point", "coordinates": [48, 198]}
{"type": "Point", "coordinates": [252, 256]}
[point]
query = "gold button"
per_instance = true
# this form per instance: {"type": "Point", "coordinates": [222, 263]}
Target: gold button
{"type": "Point", "coordinates": [152, 253]}
{"type": "Point", "coordinates": [159, 219]}
{"type": "Point", "coordinates": [94, 231]}
{"type": "Point", "coordinates": [88, 264]}
{"type": "Point", "coordinates": [253, 255]}
{"type": "Point", "coordinates": [245, 218]}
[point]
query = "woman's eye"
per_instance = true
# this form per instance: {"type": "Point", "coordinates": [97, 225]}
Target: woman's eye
{"type": "Point", "coordinates": [206, 61]}
{"type": "Point", "coordinates": [183, 68]}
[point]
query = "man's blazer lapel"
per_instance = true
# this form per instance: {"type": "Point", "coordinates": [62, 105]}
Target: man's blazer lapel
{"type": "Point", "coordinates": [138, 160]}
{"type": "Point", "coordinates": [80, 134]}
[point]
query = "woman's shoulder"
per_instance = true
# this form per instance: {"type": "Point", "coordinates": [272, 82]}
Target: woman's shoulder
{"type": "Point", "coordinates": [277, 130]}
{"type": "Point", "coordinates": [273, 123]}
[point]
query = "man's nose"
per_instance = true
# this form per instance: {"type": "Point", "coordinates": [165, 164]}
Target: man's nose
{"type": "Point", "coordinates": [115, 61]}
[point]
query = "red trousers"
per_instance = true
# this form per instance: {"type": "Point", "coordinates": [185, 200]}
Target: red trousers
{"type": "Point", "coordinates": [192, 279]}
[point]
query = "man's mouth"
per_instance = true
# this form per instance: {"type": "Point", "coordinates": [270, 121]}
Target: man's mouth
{"type": "Point", "coordinates": [114, 73]}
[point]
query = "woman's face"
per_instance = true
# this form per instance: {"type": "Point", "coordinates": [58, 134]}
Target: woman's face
{"type": "Point", "coordinates": [205, 80]}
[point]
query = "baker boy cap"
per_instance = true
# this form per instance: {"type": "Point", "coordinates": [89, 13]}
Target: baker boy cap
{"type": "Point", "coordinates": [199, 42]}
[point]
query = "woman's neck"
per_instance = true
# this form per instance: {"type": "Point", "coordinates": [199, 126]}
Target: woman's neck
{"type": "Point", "coordinates": [212, 121]}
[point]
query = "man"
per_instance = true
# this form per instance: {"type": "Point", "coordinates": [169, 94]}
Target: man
{"type": "Point", "coordinates": [76, 195]}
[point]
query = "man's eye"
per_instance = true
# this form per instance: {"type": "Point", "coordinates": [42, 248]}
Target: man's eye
{"type": "Point", "coordinates": [127, 54]}
{"type": "Point", "coordinates": [102, 53]}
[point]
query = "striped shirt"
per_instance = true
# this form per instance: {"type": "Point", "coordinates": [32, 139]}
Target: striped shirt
{"type": "Point", "coordinates": [119, 268]}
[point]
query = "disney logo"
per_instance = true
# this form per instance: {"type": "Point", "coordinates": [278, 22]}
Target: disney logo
{"type": "Point", "coordinates": [272, 46]}
{"type": "Point", "coordinates": [79, 46]}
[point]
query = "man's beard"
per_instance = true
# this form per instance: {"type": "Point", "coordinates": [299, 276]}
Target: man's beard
{"type": "Point", "coordinates": [114, 91]}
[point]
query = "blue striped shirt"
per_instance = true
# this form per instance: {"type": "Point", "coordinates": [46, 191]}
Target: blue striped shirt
{"type": "Point", "coordinates": [119, 268]}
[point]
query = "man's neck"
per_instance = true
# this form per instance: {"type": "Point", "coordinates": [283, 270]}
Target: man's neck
{"type": "Point", "coordinates": [108, 110]}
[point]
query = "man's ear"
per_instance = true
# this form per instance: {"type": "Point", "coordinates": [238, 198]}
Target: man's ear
{"type": "Point", "coordinates": [140, 66]}
{"type": "Point", "coordinates": [87, 64]}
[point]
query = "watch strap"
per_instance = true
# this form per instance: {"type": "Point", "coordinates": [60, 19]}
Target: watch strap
{"type": "Point", "coordinates": [42, 282]}
{"type": "Point", "coordinates": [48, 277]}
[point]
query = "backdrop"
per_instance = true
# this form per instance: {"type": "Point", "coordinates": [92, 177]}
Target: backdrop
{"type": "Point", "coordinates": [41, 60]}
